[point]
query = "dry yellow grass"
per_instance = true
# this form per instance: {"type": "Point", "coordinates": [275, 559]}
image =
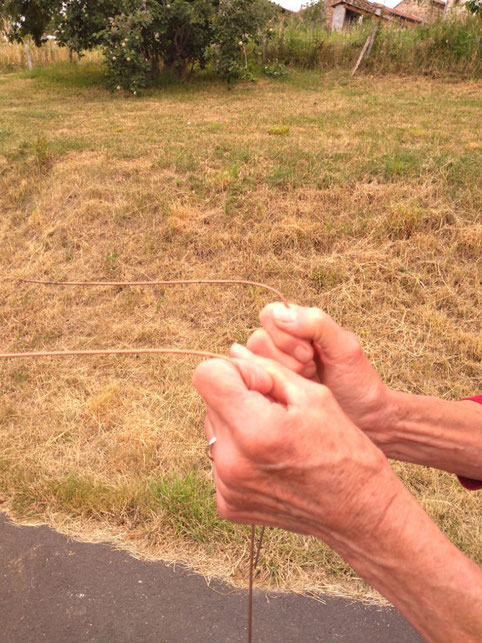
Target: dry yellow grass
{"type": "Point", "coordinates": [13, 56]}
{"type": "Point", "coordinates": [368, 206]}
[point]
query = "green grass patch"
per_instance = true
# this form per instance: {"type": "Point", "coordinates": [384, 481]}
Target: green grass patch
{"type": "Point", "coordinates": [281, 130]}
{"type": "Point", "coordinates": [189, 504]}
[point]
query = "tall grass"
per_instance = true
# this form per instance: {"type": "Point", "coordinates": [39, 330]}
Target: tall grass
{"type": "Point", "coordinates": [13, 57]}
{"type": "Point", "coordinates": [447, 46]}
{"type": "Point", "coordinates": [311, 46]}
{"type": "Point", "coordinates": [452, 46]}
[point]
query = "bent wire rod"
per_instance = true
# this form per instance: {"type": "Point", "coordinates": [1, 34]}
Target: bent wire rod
{"type": "Point", "coordinates": [177, 351]}
{"type": "Point", "coordinates": [115, 351]}
{"type": "Point", "coordinates": [253, 561]}
{"type": "Point", "coordinates": [172, 282]}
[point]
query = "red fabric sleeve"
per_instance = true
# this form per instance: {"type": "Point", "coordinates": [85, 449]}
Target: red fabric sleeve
{"type": "Point", "coordinates": [468, 483]}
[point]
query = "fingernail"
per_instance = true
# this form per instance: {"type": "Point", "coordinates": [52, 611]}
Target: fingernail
{"type": "Point", "coordinates": [283, 314]}
{"type": "Point", "coordinates": [303, 354]}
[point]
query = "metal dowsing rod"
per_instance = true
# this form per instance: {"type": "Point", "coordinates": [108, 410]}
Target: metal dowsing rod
{"type": "Point", "coordinates": [253, 561]}
{"type": "Point", "coordinates": [115, 351]}
{"type": "Point", "coordinates": [172, 282]}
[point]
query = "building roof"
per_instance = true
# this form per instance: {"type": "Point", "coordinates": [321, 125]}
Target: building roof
{"type": "Point", "coordinates": [363, 5]}
{"type": "Point", "coordinates": [375, 8]}
{"type": "Point", "coordinates": [397, 13]}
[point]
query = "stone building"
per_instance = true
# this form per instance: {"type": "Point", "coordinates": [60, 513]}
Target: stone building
{"type": "Point", "coordinates": [427, 11]}
{"type": "Point", "coordinates": [340, 14]}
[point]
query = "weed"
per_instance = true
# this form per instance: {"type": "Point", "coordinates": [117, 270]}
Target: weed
{"type": "Point", "coordinates": [111, 259]}
{"type": "Point", "coordinates": [275, 70]}
{"type": "Point", "coordinates": [189, 503]}
{"type": "Point", "coordinates": [327, 278]}
{"type": "Point", "coordinates": [213, 127]}
{"type": "Point", "coordinates": [282, 130]}
{"type": "Point", "coordinates": [42, 153]}
{"type": "Point", "coordinates": [20, 375]}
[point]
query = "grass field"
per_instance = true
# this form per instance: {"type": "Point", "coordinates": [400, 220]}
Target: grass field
{"type": "Point", "coordinates": [359, 196]}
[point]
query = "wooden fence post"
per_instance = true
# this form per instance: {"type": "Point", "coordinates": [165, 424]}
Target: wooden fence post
{"type": "Point", "coordinates": [367, 47]}
{"type": "Point", "coordinates": [29, 58]}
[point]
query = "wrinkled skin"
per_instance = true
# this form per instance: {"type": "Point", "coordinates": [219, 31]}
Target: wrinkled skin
{"type": "Point", "coordinates": [286, 455]}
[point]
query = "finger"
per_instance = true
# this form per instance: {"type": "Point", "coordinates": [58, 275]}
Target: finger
{"type": "Point", "coordinates": [284, 339]}
{"type": "Point", "coordinates": [253, 372]}
{"type": "Point", "coordinates": [261, 344]}
{"type": "Point", "coordinates": [216, 378]}
{"type": "Point", "coordinates": [285, 385]}
{"type": "Point", "coordinates": [312, 324]}
{"type": "Point", "coordinates": [231, 391]}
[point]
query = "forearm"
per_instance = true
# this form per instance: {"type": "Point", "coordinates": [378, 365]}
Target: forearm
{"type": "Point", "coordinates": [437, 433]}
{"type": "Point", "coordinates": [410, 562]}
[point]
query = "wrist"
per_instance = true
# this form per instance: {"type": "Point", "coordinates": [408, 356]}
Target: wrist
{"type": "Point", "coordinates": [411, 562]}
{"type": "Point", "coordinates": [379, 425]}
{"type": "Point", "coordinates": [371, 487]}
{"type": "Point", "coordinates": [426, 430]}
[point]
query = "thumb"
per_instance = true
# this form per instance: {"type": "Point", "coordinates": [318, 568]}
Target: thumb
{"type": "Point", "coordinates": [317, 326]}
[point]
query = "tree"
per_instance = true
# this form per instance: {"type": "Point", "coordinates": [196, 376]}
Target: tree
{"type": "Point", "coordinates": [314, 13]}
{"type": "Point", "coordinates": [236, 21]}
{"type": "Point", "coordinates": [78, 23]}
{"type": "Point", "coordinates": [30, 18]}
{"type": "Point", "coordinates": [137, 36]}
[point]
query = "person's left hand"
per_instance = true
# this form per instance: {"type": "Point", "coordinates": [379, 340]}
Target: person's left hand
{"type": "Point", "coordinates": [286, 455]}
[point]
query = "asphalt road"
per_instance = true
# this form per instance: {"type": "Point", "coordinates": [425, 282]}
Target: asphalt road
{"type": "Point", "coordinates": [60, 591]}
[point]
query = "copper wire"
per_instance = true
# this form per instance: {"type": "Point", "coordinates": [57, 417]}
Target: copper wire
{"type": "Point", "coordinates": [115, 351]}
{"type": "Point", "coordinates": [253, 560]}
{"type": "Point", "coordinates": [173, 282]}
{"type": "Point", "coordinates": [250, 590]}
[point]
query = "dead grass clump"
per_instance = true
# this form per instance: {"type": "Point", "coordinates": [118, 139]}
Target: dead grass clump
{"type": "Point", "coordinates": [334, 213]}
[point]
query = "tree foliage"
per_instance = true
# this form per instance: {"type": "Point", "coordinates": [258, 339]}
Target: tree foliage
{"type": "Point", "coordinates": [30, 18]}
{"type": "Point", "coordinates": [137, 36]}
{"type": "Point", "coordinates": [314, 13]}
{"type": "Point", "coordinates": [78, 23]}
{"type": "Point", "coordinates": [475, 7]}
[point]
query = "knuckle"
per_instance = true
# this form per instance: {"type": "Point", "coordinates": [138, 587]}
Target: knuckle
{"type": "Point", "coordinates": [256, 340]}
{"type": "Point", "coordinates": [323, 393]}
{"type": "Point", "coordinates": [225, 509]}
{"type": "Point", "coordinates": [316, 314]}
{"type": "Point", "coordinates": [352, 344]}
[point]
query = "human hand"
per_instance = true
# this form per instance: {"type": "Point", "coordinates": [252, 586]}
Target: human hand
{"type": "Point", "coordinates": [286, 455]}
{"type": "Point", "coordinates": [290, 336]}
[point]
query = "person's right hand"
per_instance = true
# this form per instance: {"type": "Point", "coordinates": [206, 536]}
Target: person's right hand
{"type": "Point", "coordinates": [291, 336]}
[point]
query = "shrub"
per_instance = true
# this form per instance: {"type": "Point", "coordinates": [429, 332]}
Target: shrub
{"type": "Point", "coordinates": [138, 35]}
